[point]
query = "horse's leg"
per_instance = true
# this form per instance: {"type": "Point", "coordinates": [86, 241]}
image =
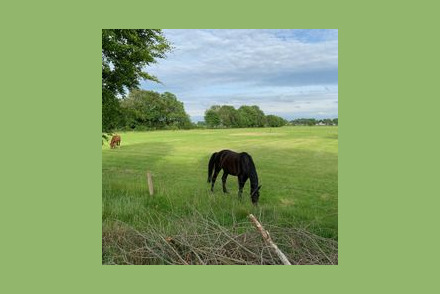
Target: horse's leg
{"type": "Point", "coordinates": [224, 177]}
{"type": "Point", "coordinates": [241, 181]}
{"type": "Point", "coordinates": [214, 177]}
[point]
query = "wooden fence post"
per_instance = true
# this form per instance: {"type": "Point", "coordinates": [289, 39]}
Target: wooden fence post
{"type": "Point", "coordinates": [150, 183]}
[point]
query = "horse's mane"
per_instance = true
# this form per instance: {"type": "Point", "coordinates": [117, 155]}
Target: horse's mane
{"type": "Point", "coordinates": [248, 167]}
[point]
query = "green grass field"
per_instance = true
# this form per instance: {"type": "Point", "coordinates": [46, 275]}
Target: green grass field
{"type": "Point", "coordinates": [297, 168]}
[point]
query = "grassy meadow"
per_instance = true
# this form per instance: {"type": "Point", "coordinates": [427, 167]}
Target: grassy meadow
{"type": "Point", "coordinates": [185, 223]}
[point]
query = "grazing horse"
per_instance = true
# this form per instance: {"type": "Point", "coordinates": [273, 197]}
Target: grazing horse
{"type": "Point", "coordinates": [236, 164]}
{"type": "Point", "coordinates": [116, 141]}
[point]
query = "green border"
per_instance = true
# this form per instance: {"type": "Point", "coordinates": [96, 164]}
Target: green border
{"type": "Point", "coordinates": [51, 194]}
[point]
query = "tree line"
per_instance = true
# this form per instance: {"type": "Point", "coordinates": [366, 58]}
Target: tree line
{"type": "Point", "coordinates": [314, 122]}
{"type": "Point", "coordinates": [226, 116]}
{"type": "Point", "coordinates": [148, 110]}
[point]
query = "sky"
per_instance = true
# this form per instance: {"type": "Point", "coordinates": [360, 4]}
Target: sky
{"type": "Point", "coordinates": [290, 73]}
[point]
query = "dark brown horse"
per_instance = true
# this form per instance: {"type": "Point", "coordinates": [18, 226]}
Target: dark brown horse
{"type": "Point", "coordinates": [236, 164]}
{"type": "Point", "coordinates": [116, 141]}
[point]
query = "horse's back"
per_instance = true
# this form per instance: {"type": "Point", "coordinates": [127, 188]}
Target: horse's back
{"type": "Point", "coordinates": [229, 161]}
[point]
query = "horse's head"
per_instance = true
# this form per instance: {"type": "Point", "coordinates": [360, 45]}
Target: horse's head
{"type": "Point", "coordinates": [255, 194]}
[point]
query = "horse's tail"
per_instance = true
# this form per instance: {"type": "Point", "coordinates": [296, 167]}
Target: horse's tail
{"type": "Point", "coordinates": [211, 166]}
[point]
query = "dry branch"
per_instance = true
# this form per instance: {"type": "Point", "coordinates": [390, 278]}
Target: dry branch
{"type": "Point", "coordinates": [200, 239]}
{"type": "Point", "coordinates": [268, 239]}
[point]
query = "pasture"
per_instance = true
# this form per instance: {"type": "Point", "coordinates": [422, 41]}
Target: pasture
{"type": "Point", "coordinates": [185, 223]}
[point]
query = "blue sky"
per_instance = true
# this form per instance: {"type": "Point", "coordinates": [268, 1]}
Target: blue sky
{"type": "Point", "coordinates": [290, 73]}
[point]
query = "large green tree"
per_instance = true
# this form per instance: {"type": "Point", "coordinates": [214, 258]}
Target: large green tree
{"type": "Point", "coordinates": [212, 117]}
{"type": "Point", "coordinates": [252, 116]}
{"type": "Point", "coordinates": [125, 53]}
{"type": "Point", "coordinates": [226, 116]}
{"type": "Point", "coordinates": [148, 109]}
{"type": "Point", "coordinates": [222, 116]}
{"type": "Point", "coordinates": [174, 110]}
{"type": "Point", "coordinates": [275, 121]}
{"type": "Point", "coordinates": [229, 116]}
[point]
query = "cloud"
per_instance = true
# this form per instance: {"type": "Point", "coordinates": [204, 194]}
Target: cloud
{"type": "Point", "coordinates": [283, 71]}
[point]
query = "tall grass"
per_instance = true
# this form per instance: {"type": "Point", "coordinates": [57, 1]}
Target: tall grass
{"type": "Point", "coordinates": [184, 221]}
{"type": "Point", "coordinates": [202, 239]}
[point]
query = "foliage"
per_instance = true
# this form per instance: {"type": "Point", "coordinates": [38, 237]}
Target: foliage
{"type": "Point", "coordinates": [151, 110]}
{"type": "Point", "coordinates": [201, 125]}
{"type": "Point", "coordinates": [252, 116]}
{"type": "Point", "coordinates": [226, 116]}
{"type": "Point", "coordinates": [313, 122]}
{"type": "Point", "coordinates": [124, 55]}
{"type": "Point", "coordinates": [105, 138]}
{"type": "Point", "coordinates": [275, 121]}
{"type": "Point", "coordinates": [212, 117]}
{"type": "Point", "coordinates": [304, 122]}
{"type": "Point", "coordinates": [229, 116]}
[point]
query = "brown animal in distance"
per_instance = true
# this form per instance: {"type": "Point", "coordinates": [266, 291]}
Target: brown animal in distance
{"type": "Point", "coordinates": [116, 141]}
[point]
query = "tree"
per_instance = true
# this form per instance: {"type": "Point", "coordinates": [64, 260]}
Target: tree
{"type": "Point", "coordinates": [222, 116]}
{"type": "Point", "coordinates": [149, 109]}
{"type": "Point", "coordinates": [212, 117]}
{"type": "Point", "coordinates": [275, 121]}
{"type": "Point", "coordinates": [141, 108]}
{"type": "Point", "coordinates": [259, 116]}
{"type": "Point", "coordinates": [245, 117]}
{"type": "Point", "coordinates": [328, 122]}
{"type": "Point", "coordinates": [229, 116]}
{"type": "Point", "coordinates": [124, 55]}
{"type": "Point", "coordinates": [304, 122]}
{"type": "Point", "coordinates": [251, 116]}
{"type": "Point", "coordinates": [174, 112]}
